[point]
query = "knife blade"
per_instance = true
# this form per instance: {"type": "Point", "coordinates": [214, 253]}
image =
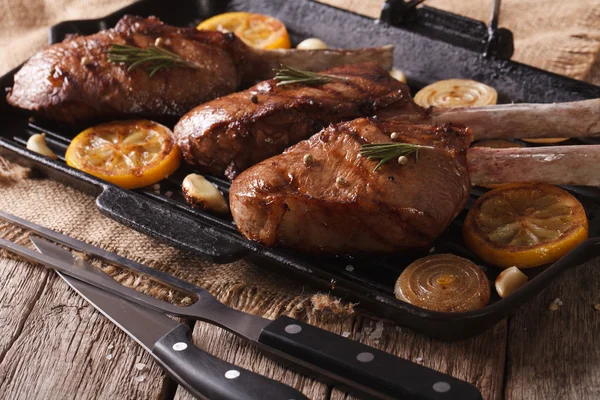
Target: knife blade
{"type": "Point", "coordinates": [169, 342]}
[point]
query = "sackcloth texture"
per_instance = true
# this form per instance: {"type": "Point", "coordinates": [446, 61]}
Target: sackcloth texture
{"type": "Point", "coordinates": [556, 35]}
{"type": "Point", "coordinates": [560, 36]}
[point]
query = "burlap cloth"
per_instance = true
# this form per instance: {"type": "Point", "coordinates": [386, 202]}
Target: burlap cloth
{"type": "Point", "coordinates": [558, 35]}
{"type": "Point", "coordinates": [562, 36]}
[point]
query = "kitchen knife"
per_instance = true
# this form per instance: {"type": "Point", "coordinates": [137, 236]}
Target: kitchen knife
{"type": "Point", "coordinates": [353, 366]}
{"type": "Point", "coordinates": [169, 342]}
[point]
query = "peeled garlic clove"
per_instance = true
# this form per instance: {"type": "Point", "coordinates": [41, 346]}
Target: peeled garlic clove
{"type": "Point", "coordinates": [510, 280]}
{"type": "Point", "coordinates": [37, 143]}
{"type": "Point", "coordinates": [398, 75]}
{"type": "Point", "coordinates": [456, 93]}
{"type": "Point", "coordinates": [312, 44]}
{"type": "Point", "coordinates": [200, 193]}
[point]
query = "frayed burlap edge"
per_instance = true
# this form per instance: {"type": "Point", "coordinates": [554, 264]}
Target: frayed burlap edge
{"type": "Point", "coordinates": [10, 172]}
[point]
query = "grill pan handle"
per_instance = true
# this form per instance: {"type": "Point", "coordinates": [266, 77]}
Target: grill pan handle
{"type": "Point", "coordinates": [168, 225]}
{"type": "Point", "coordinates": [452, 28]}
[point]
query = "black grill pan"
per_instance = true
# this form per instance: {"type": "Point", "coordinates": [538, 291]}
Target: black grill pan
{"type": "Point", "coordinates": [430, 45]}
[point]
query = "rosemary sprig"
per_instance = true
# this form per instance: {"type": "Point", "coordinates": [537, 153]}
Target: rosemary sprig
{"type": "Point", "coordinates": [385, 152]}
{"type": "Point", "coordinates": [152, 58]}
{"type": "Point", "coordinates": [287, 76]}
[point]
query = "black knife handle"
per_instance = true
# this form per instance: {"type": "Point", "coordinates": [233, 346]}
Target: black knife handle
{"type": "Point", "coordinates": [361, 368]}
{"type": "Point", "coordinates": [208, 377]}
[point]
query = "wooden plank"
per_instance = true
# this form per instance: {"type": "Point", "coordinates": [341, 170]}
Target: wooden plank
{"type": "Point", "coordinates": [59, 345]}
{"type": "Point", "coordinates": [479, 360]}
{"type": "Point", "coordinates": [17, 297]}
{"type": "Point", "coordinates": [555, 354]}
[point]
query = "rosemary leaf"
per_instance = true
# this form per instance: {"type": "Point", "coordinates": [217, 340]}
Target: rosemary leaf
{"type": "Point", "coordinates": [152, 58]}
{"type": "Point", "coordinates": [287, 76]}
{"type": "Point", "coordinates": [384, 152]}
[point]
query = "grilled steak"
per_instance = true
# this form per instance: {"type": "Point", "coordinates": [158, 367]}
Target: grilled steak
{"type": "Point", "coordinates": [232, 133]}
{"type": "Point", "coordinates": [73, 81]}
{"type": "Point", "coordinates": [336, 203]}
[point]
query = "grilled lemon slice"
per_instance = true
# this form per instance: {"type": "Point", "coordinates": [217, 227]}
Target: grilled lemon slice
{"type": "Point", "coordinates": [497, 144]}
{"type": "Point", "coordinates": [256, 30]}
{"type": "Point", "coordinates": [130, 154]}
{"type": "Point", "coordinates": [456, 93]}
{"type": "Point", "coordinates": [525, 225]}
{"type": "Point", "coordinates": [546, 140]}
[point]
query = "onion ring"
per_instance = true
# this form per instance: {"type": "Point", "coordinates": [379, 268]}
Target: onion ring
{"type": "Point", "coordinates": [444, 282]}
{"type": "Point", "coordinates": [456, 93]}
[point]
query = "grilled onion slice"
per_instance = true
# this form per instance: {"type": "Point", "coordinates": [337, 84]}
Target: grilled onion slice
{"type": "Point", "coordinates": [456, 93]}
{"type": "Point", "coordinates": [443, 282]}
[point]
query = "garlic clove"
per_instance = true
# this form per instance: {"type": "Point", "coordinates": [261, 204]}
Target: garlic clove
{"type": "Point", "coordinates": [37, 143]}
{"type": "Point", "coordinates": [312, 44]}
{"type": "Point", "coordinates": [510, 280]}
{"type": "Point", "coordinates": [398, 75]}
{"type": "Point", "coordinates": [200, 193]}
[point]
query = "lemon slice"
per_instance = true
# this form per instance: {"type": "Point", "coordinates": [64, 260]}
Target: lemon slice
{"type": "Point", "coordinates": [525, 225]}
{"type": "Point", "coordinates": [130, 154]}
{"type": "Point", "coordinates": [497, 144]}
{"type": "Point", "coordinates": [256, 30]}
{"type": "Point", "coordinates": [456, 93]}
{"type": "Point", "coordinates": [545, 141]}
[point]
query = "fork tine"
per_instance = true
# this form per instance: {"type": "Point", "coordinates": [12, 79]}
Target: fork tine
{"type": "Point", "coordinates": [206, 308]}
{"type": "Point", "coordinates": [103, 282]}
{"type": "Point", "coordinates": [46, 247]}
{"type": "Point", "coordinates": [112, 258]}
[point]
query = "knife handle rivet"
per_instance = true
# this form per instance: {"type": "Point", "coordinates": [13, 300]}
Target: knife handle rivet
{"type": "Point", "coordinates": [232, 374]}
{"type": "Point", "coordinates": [441, 387]}
{"type": "Point", "coordinates": [365, 357]}
{"type": "Point", "coordinates": [293, 329]}
{"type": "Point", "coordinates": [180, 346]}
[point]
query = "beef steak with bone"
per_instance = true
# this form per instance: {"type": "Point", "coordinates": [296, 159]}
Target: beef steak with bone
{"type": "Point", "coordinates": [232, 133]}
{"type": "Point", "coordinates": [321, 195]}
{"type": "Point", "coordinates": [75, 81]}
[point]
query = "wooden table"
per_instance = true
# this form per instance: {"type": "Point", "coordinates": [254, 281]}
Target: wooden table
{"type": "Point", "coordinates": [55, 346]}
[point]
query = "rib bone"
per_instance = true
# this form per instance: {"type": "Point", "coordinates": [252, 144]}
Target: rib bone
{"type": "Point", "coordinates": [573, 119]}
{"type": "Point", "coordinates": [559, 165]}
{"type": "Point", "coordinates": [318, 60]}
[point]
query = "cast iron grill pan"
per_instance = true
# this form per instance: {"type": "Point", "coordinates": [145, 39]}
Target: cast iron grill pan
{"type": "Point", "coordinates": [426, 54]}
